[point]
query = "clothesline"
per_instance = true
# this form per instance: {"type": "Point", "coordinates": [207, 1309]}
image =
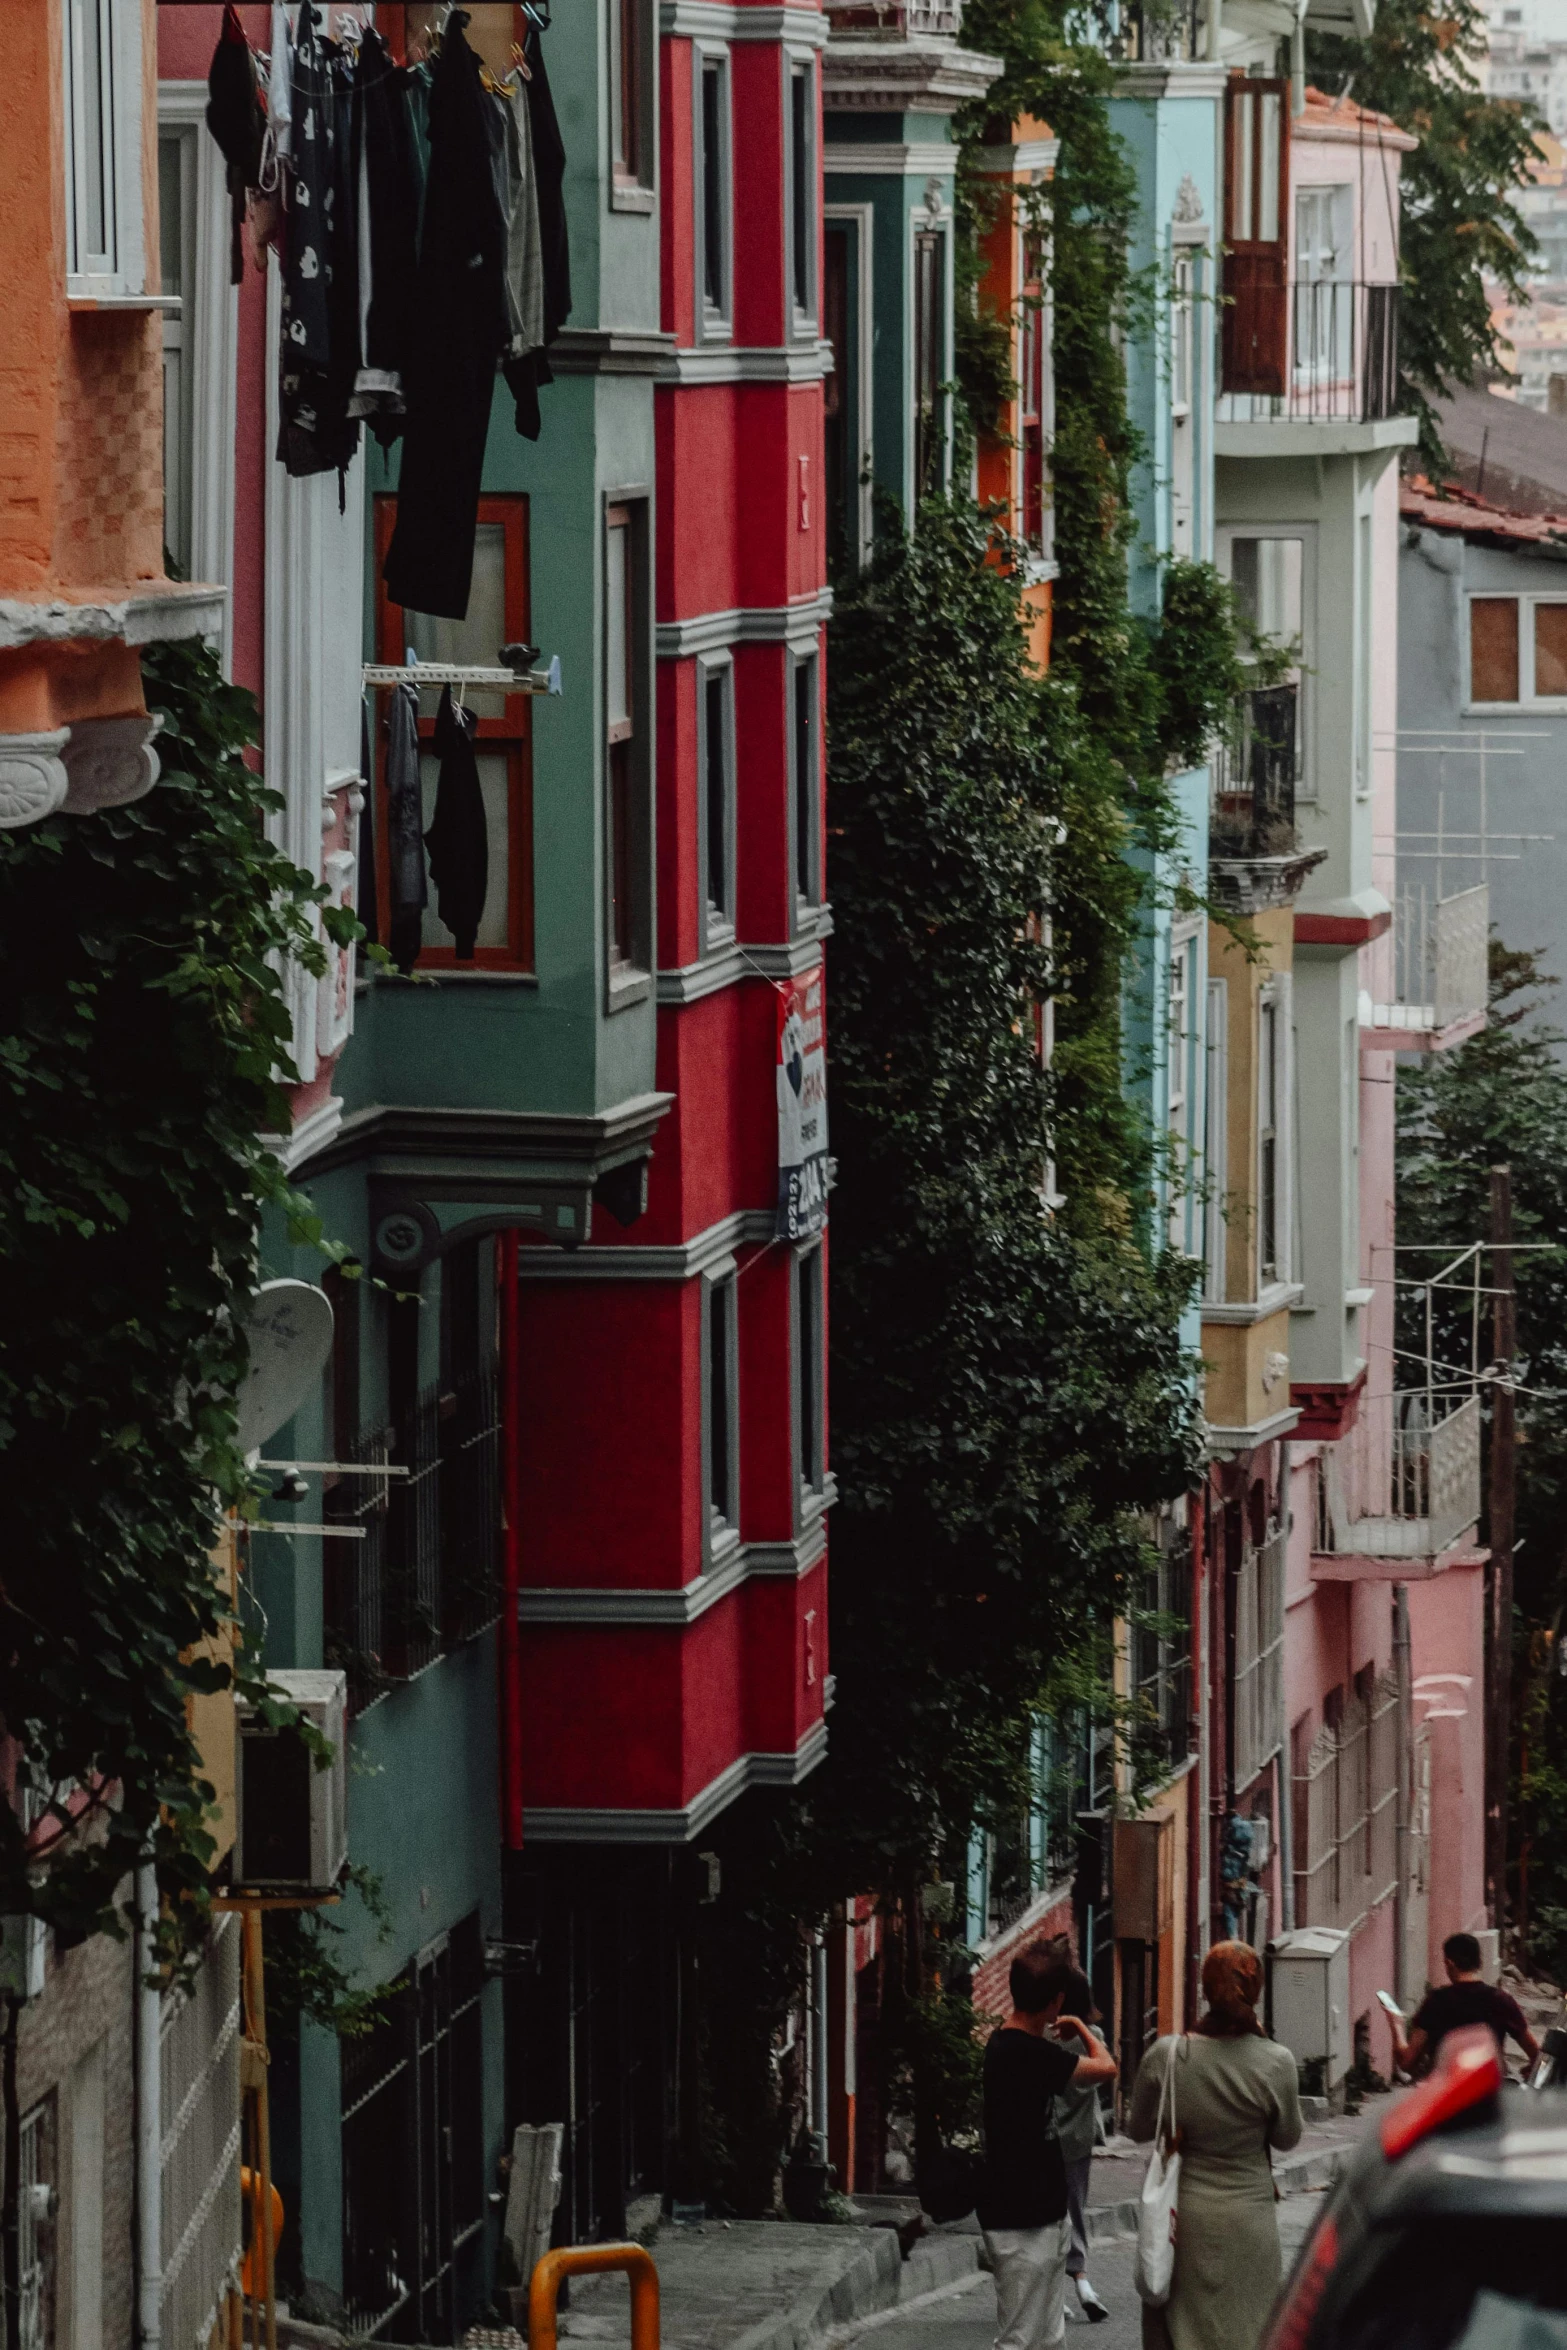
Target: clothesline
{"type": "Point", "coordinates": [511, 681]}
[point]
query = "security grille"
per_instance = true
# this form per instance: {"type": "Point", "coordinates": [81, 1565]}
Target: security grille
{"type": "Point", "coordinates": [35, 2268]}
{"type": "Point", "coordinates": [1259, 1658]}
{"type": "Point", "coordinates": [200, 2152]}
{"type": "Point", "coordinates": [1345, 1798]}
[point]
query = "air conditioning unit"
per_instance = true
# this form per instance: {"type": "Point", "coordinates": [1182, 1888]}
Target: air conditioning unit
{"type": "Point", "coordinates": [293, 1808]}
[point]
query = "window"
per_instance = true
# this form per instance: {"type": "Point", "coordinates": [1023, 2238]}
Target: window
{"type": "Point", "coordinates": [1363, 639]}
{"type": "Point", "coordinates": [928, 372]}
{"type": "Point", "coordinates": [1269, 1171]}
{"type": "Point", "coordinates": [1324, 323]}
{"type": "Point", "coordinates": [714, 185]}
{"type": "Point", "coordinates": [1216, 1144]}
{"type": "Point", "coordinates": [1182, 954]}
{"type": "Point", "coordinates": [35, 2238]}
{"type": "Point", "coordinates": [627, 911]}
{"type": "Point", "coordinates": [103, 98]}
{"type": "Point", "coordinates": [1183, 394]}
{"type": "Point", "coordinates": [722, 1455]}
{"type": "Point", "coordinates": [845, 414]}
{"type": "Point", "coordinates": [802, 191]}
{"type": "Point", "coordinates": [803, 770]}
{"type": "Point", "coordinates": [497, 615]}
{"type": "Point", "coordinates": [1269, 578]}
{"type": "Point", "coordinates": [809, 1370]}
{"type": "Point", "coordinates": [177, 243]}
{"type": "Point", "coordinates": [1255, 312]}
{"type": "Point", "coordinates": [1036, 389]}
{"type": "Point", "coordinates": [629, 82]}
{"type": "Point", "coordinates": [716, 765]}
{"type": "Point", "coordinates": [1517, 649]}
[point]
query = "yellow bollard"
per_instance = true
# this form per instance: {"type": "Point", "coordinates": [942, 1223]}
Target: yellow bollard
{"type": "Point", "coordinates": [583, 2259]}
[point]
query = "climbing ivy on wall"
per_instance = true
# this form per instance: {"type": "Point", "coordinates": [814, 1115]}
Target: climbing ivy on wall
{"type": "Point", "coordinates": [144, 1038]}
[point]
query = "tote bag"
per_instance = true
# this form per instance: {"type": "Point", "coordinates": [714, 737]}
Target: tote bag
{"type": "Point", "coordinates": [1156, 2211]}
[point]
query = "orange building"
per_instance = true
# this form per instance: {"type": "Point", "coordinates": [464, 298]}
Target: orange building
{"type": "Point", "coordinates": [82, 580]}
{"type": "Point", "coordinates": [1013, 465]}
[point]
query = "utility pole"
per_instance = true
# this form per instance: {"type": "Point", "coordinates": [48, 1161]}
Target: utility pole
{"type": "Point", "coordinates": [1499, 1575]}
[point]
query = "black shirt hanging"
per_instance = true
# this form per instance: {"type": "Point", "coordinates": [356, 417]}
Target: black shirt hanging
{"type": "Point", "coordinates": [458, 840]}
{"type": "Point", "coordinates": [237, 120]}
{"type": "Point", "coordinates": [461, 331]}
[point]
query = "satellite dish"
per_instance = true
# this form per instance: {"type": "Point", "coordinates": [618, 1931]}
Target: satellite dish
{"type": "Point", "coordinates": [289, 1333]}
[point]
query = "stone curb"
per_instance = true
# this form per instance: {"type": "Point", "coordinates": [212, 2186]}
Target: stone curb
{"type": "Point", "coordinates": [871, 2281]}
{"type": "Point", "coordinates": [1294, 2174]}
{"type": "Point", "coordinates": [937, 2261]}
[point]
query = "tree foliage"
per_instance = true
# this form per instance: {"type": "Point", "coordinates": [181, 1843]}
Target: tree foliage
{"type": "Point", "coordinates": [143, 1037]}
{"type": "Point", "coordinates": [1501, 1099]}
{"type": "Point", "coordinates": [1461, 224]}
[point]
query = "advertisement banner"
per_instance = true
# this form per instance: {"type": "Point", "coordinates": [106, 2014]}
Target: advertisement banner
{"type": "Point", "coordinates": [802, 1109]}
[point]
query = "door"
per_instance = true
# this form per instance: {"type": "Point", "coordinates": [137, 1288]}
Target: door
{"type": "Point", "coordinates": [1256, 252]}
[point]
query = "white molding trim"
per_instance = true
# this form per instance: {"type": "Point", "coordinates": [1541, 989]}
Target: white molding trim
{"type": "Point", "coordinates": [721, 362]}
{"type": "Point", "coordinates": [631, 1604]}
{"type": "Point", "coordinates": [163, 609]}
{"type": "Point", "coordinates": [1244, 1312]}
{"type": "Point", "coordinates": [688, 983]}
{"type": "Point", "coordinates": [888, 158]}
{"type": "Point", "coordinates": [1219, 1439]}
{"type": "Point", "coordinates": [677, 1261]}
{"type": "Point", "coordinates": [574, 1825]}
{"type": "Point", "coordinates": [1176, 79]}
{"type": "Point", "coordinates": [754, 624]}
{"type": "Point", "coordinates": [213, 318]}
{"type": "Point", "coordinates": [312, 1133]}
{"type": "Point", "coordinates": [921, 76]}
{"type": "Point", "coordinates": [1029, 155]}
{"type": "Point", "coordinates": [710, 20]}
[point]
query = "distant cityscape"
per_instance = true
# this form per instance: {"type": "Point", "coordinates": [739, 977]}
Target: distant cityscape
{"type": "Point", "coordinates": [1528, 61]}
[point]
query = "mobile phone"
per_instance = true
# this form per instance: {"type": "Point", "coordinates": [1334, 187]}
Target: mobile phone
{"type": "Point", "coordinates": [1387, 2000]}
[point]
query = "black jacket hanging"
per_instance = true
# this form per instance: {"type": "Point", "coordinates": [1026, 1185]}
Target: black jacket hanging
{"type": "Point", "coordinates": [366, 879]}
{"type": "Point", "coordinates": [526, 372]}
{"type": "Point", "coordinates": [318, 347]}
{"type": "Point", "coordinates": [410, 888]}
{"type": "Point", "coordinates": [237, 120]}
{"type": "Point", "coordinates": [461, 313]}
{"type": "Point", "coordinates": [458, 840]}
{"type": "Point", "coordinates": [389, 193]}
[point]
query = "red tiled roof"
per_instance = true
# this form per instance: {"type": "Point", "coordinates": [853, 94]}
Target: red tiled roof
{"type": "Point", "coordinates": [1463, 510]}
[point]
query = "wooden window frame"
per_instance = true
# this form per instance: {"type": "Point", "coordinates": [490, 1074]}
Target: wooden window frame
{"type": "Point", "coordinates": [1255, 311]}
{"type": "Point", "coordinates": [1527, 605]}
{"type": "Point", "coordinates": [511, 732]}
{"type": "Point", "coordinates": [628, 837]}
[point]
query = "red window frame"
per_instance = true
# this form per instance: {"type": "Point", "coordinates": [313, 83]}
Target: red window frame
{"type": "Point", "coordinates": [512, 732]}
{"type": "Point", "coordinates": [1031, 390]}
{"type": "Point", "coordinates": [621, 763]}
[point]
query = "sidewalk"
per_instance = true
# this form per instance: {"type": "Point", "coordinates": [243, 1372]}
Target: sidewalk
{"type": "Point", "coordinates": [1119, 2167]}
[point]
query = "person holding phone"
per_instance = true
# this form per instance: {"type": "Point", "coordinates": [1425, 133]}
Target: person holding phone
{"type": "Point", "coordinates": [1465, 1998]}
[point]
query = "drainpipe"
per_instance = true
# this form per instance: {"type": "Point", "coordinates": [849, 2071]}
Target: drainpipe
{"type": "Point", "coordinates": [1298, 61]}
{"type": "Point", "coordinates": [1401, 1792]}
{"type": "Point", "coordinates": [819, 2043]}
{"type": "Point", "coordinates": [510, 1641]}
{"type": "Point", "coordinates": [1286, 1804]}
{"type": "Point", "coordinates": [149, 2114]}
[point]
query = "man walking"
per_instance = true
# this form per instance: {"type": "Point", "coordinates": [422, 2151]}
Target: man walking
{"type": "Point", "coordinates": [1023, 2202]}
{"type": "Point", "coordinates": [1467, 1999]}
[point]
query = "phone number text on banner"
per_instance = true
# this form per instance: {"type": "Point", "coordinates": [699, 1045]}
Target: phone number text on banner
{"type": "Point", "coordinates": [802, 1109]}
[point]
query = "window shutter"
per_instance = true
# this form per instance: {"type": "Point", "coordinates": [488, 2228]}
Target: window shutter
{"type": "Point", "coordinates": [1256, 236]}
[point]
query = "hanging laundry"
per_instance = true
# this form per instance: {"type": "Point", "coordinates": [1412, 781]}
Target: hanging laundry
{"type": "Point", "coordinates": [388, 220]}
{"type": "Point", "coordinates": [280, 83]}
{"type": "Point", "coordinates": [367, 892]}
{"type": "Point", "coordinates": [318, 349]}
{"type": "Point", "coordinates": [462, 331]}
{"type": "Point", "coordinates": [458, 839]}
{"type": "Point", "coordinates": [237, 120]}
{"type": "Point", "coordinates": [526, 369]}
{"type": "Point", "coordinates": [410, 889]}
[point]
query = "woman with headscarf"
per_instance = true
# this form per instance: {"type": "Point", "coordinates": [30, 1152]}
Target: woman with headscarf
{"type": "Point", "coordinates": [1236, 2095]}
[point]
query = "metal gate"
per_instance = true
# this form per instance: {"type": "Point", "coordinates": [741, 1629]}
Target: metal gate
{"type": "Point", "coordinates": [199, 2056]}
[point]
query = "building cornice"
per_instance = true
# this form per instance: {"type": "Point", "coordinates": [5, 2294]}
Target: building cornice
{"type": "Point", "coordinates": [622, 1604]}
{"type": "Point", "coordinates": [573, 1824]}
{"type": "Point", "coordinates": [590, 350]}
{"type": "Point", "coordinates": [710, 20]}
{"type": "Point", "coordinates": [1244, 1313]}
{"type": "Point", "coordinates": [1252, 885]}
{"type": "Point", "coordinates": [660, 1261]}
{"type": "Point", "coordinates": [688, 983]}
{"type": "Point", "coordinates": [1344, 924]}
{"type": "Point", "coordinates": [1219, 1439]}
{"type": "Point", "coordinates": [921, 76]}
{"type": "Point", "coordinates": [1174, 79]}
{"type": "Point", "coordinates": [745, 363]}
{"type": "Point", "coordinates": [751, 624]}
{"type": "Point", "coordinates": [150, 612]}
{"type": "Point", "coordinates": [1284, 436]}
{"type": "Point", "coordinates": [1024, 160]}
{"type": "Point", "coordinates": [911, 159]}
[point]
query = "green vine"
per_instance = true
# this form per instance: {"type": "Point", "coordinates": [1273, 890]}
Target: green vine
{"type": "Point", "coordinates": [144, 1043]}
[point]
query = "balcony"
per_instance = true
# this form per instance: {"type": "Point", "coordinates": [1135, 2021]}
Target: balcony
{"type": "Point", "coordinates": [1317, 352]}
{"type": "Point", "coordinates": [425, 1574]}
{"type": "Point", "coordinates": [895, 20]}
{"type": "Point", "coordinates": [1255, 857]}
{"type": "Point", "coordinates": [1134, 34]}
{"type": "Point", "coordinates": [1431, 977]}
{"type": "Point", "coordinates": [1432, 1449]}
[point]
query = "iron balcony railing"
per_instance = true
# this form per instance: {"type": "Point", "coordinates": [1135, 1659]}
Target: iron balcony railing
{"type": "Point", "coordinates": [1338, 338]}
{"type": "Point", "coordinates": [1433, 968]}
{"type": "Point", "coordinates": [895, 20]}
{"type": "Point", "coordinates": [1254, 769]}
{"type": "Point", "coordinates": [426, 1576]}
{"type": "Point", "coordinates": [1148, 32]}
{"type": "Point", "coordinates": [1433, 1477]}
